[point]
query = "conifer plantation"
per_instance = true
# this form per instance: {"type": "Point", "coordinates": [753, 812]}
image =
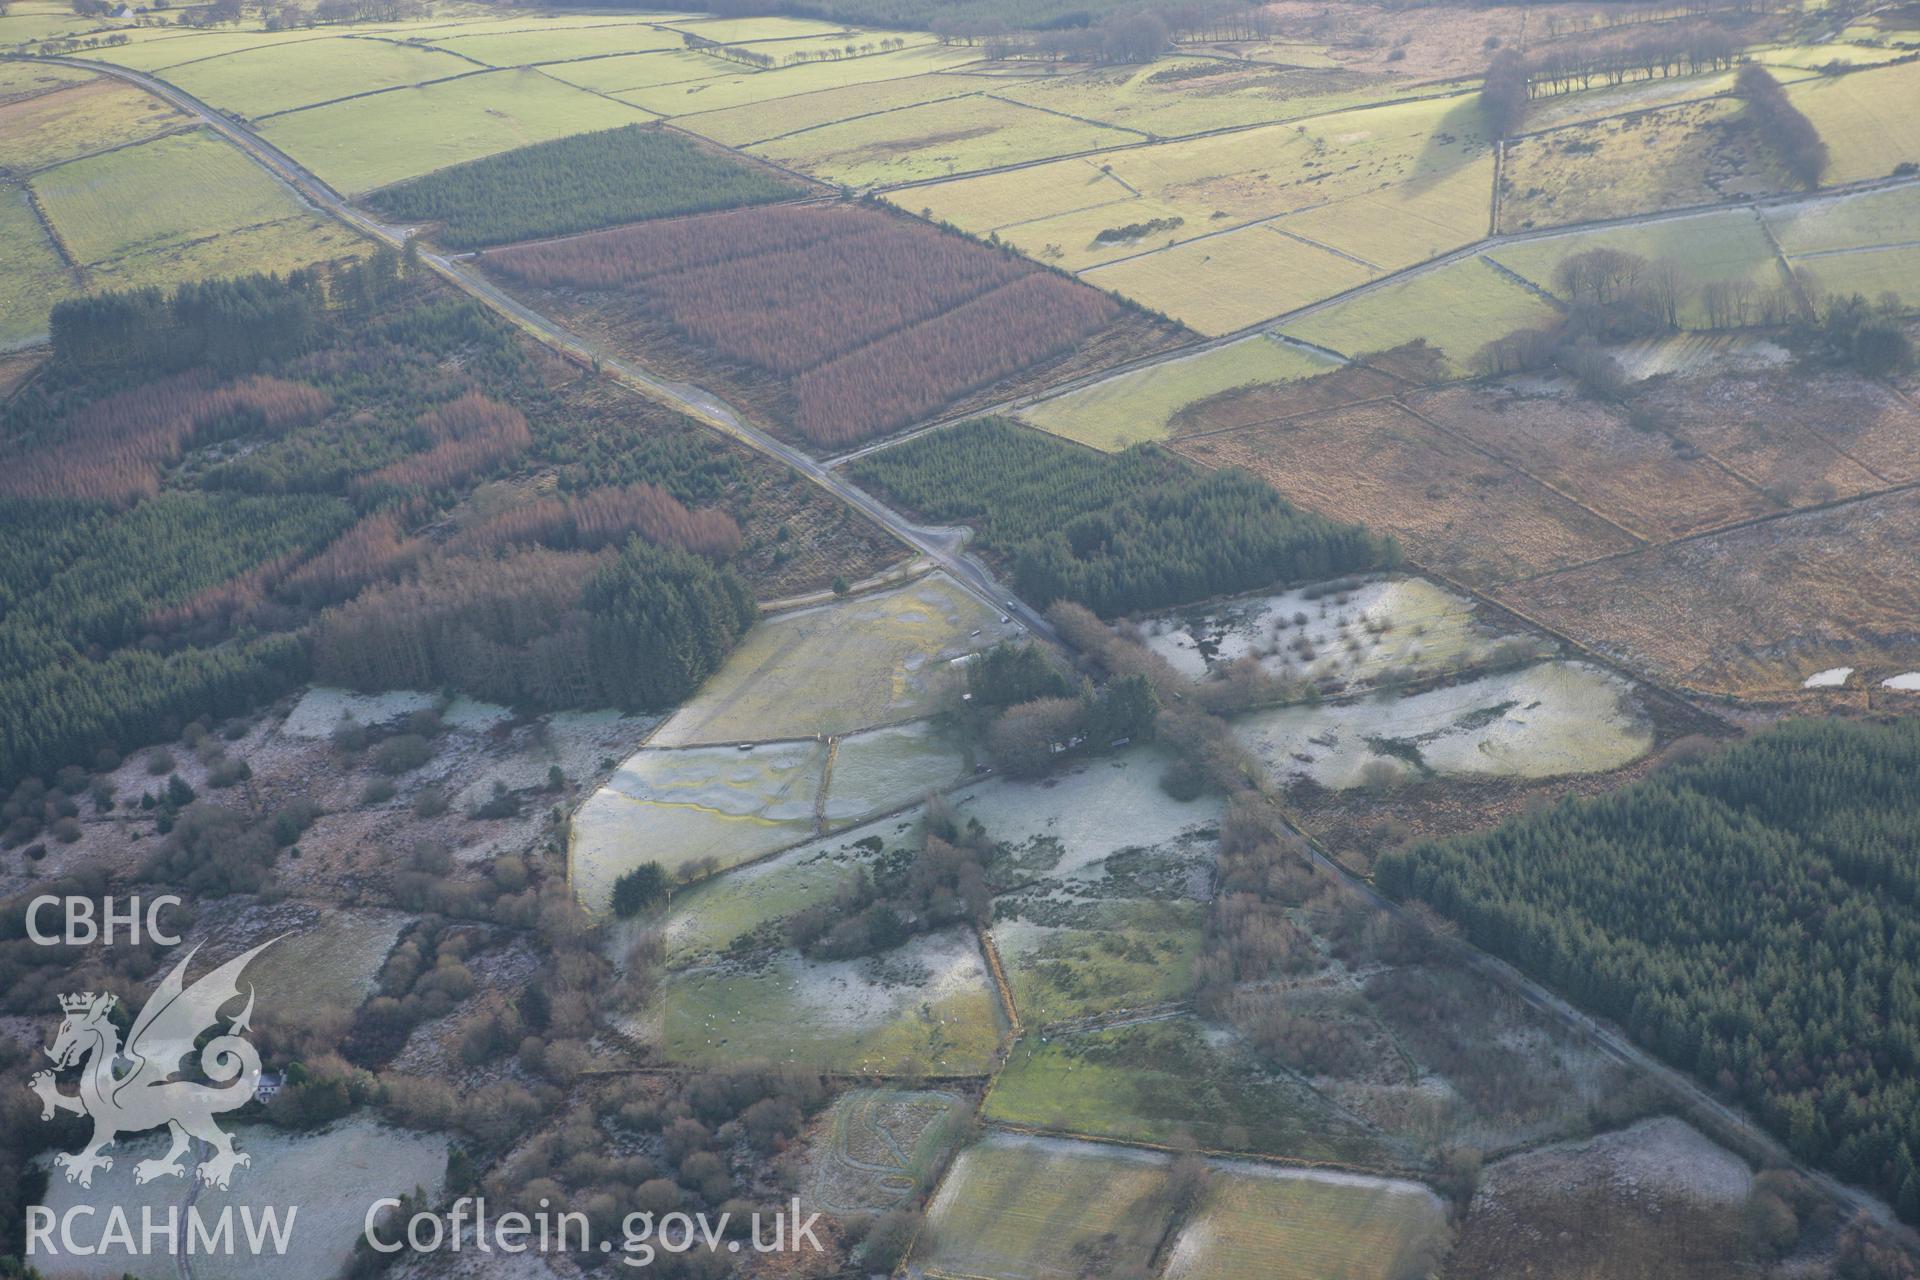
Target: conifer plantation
{"type": "Point", "coordinates": [1753, 918]}
{"type": "Point", "coordinates": [1118, 533]}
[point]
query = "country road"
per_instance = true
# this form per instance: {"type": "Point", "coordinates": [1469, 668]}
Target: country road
{"type": "Point", "coordinates": [942, 546]}
{"type": "Point", "coordinates": [945, 547]}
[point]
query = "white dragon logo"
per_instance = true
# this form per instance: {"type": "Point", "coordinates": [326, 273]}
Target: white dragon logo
{"type": "Point", "coordinates": [132, 1089]}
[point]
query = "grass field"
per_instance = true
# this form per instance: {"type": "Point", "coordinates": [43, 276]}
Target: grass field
{"type": "Point", "coordinates": [281, 246]}
{"type": "Point", "coordinates": [35, 277]}
{"type": "Point", "coordinates": [926, 1006]}
{"type": "Point", "coordinates": [879, 1146]}
{"type": "Point", "coordinates": [1000, 201]}
{"type": "Point", "coordinates": [1670, 158]}
{"type": "Point", "coordinates": [1230, 281]}
{"type": "Point", "coordinates": [1288, 1224]}
{"type": "Point", "coordinates": [1452, 507]}
{"type": "Point", "coordinates": [1116, 954]}
{"type": "Point", "coordinates": [371, 142]}
{"type": "Point", "coordinates": [1142, 405]}
{"type": "Point", "coordinates": [638, 70]}
{"type": "Point", "coordinates": [759, 121]}
{"type": "Point", "coordinates": [1867, 272]}
{"type": "Point", "coordinates": [158, 48]}
{"type": "Point", "coordinates": [1458, 309]}
{"type": "Point", "coordinates": [1862, 119]}
{"type": "Point", "coordinates": [1176, 96]}
{"type": "Point", "coordinates": [23, 79]}
{"type": "Point", "coordinates": [284, 78]}
{"type": "Point", "coordinates": [1707, 248]}
{"type": "Point", "coordinates": [1408, 223]}
{"type": "Point", "coordinates": [45, 130]}
{"type": "Point", "coordinates": [557, 44]}
{"type": "Point", "coordinates": [158, 195]}
{"type": "Point", "coordinates": [935, 140]}
{"type": "Point", "coordinates": [1860, 221]}
{"type": "Point", "coordinates": [882, 769]}
{"type": "Point", "coordinates": [744, 87]}
{"type": "Point", "coordinates": [1019, 1208]}
{"type": "Point", "coordinates": [1155, 1081]}
{"type": "Point", "coordinates": [677, 807]}
{"type": "Point", "coordinates": [831, 668]}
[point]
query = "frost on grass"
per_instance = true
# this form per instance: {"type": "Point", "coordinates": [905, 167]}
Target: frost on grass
{"type": "Point", "coordinates": [679, 807]}
{"type": "Point", "coordinates": [1068, 825]}
{"type": "Point", "coordinates": [330, 1177]}
{"type": "Point", "coordinates": [1549, 720]}
{"type": "Point", "coordinates": [1362, 632]}
{"type": "Point", "coordinates": [883, 769]}
{"type": "Point", "coordinates": [834, 668]}
{"type": "Point", "coordinates": [334, 961]}
{"type": "Point", "coordinates": [1304, 1224]}
{"type": "Point", "coordinates": [928, 1004]}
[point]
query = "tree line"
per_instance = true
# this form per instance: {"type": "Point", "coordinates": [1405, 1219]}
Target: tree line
{"type": "Point", "coordinates": [1119, 533]}
{"type": "Point", "coordinates": [1753, 917]}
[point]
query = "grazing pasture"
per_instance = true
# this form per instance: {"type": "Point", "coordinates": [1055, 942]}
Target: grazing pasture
{"type": "Point", "coordinates": [1866, 118]}
{"type": "Point", "coordinates": [869, 321]}
{"type": "Point", "coordinates": [1705, 249]}
{"type": "Point", "coordinates": [1867, 272]}
{"type": "Point", "coordinates": [759, 122]}
{"type": "Point", "coordinates": [159, 195]}
{"type": "Point", "coordinates": [746, 87]}
{"type": "Point", "coordinates": [35, 277]}
{"type": "Point", "coordinates": [372, 142]}
{"type": "Point", "coordinates": [281, 246]}
{"type": "Point", "coordinates": [832, 668]}
{"type": "Point", "coordinates": [1145, 404]}
{"type": "Point", "coordinates": [1226, 282]}
{"type": "Point", "coordinates": [1456, 309]}
{"type": "Point", "coordinates": [1295, 1224]}
{"type": "Point", "coordinates": [617, 73]}
{"type": "Point", "coordinates": [562, 44]}
{"type": "Point", "coordinates": [1024, 1208]}
{"type": "Point", "coordinates": [1865, 220]}
{"type": "Point", "coordinates": [262, 82]}
{"type": "Point", "coordinates": [93, 116]}
{"type": "Point", "coordinates": [878, 1145]}
{"type": "Point", "coordinates": [935, 140]}
{"type": "Point", "coordinates": [25, 79]}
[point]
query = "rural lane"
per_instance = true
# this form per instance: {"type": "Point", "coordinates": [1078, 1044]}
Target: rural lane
{"type": "Point", "coordinates": [943, 547]}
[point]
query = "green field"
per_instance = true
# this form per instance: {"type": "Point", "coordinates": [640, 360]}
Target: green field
{"type": "Point", "coordinates": [759, 121]}
{"type": "Point", "coordinates": [371, 142]}
{"type": "Point", "coordinates": [639, 70]}
{"type": "Point", "coordinates": [1230, 281]}
{"type": "Point", "coordinates": [1706, 248]}
{"type": "Point", "coordinates": [157, 48]}
{"type": "Point", "coordinates": [1103, 956]}
{"type": "Point", "coordinates": [1866, 220]}
{"type": "Point", "coordinates": [1156, 1081]}
{"type": "Point", "coordinates": [1458, 308]}
{"type": "Point", "coordinates": [45, 130]}
{"type": "Point", "coordinates": [1018, 1208]}
{"type": "Point", "coordinates": [1866, 119]}
{"type": "Point", "coordinates": [1141, 405]}
{"type": "Point", "coordinates": [746, 87]}
{"type": "Point", "coordinates": [158, 195]}
{"type": "Point", "coordinates": [935, 140]}
{"type": "Point", "coordinates": [281, 246]}
{"type": "Point", "coordinates": [1284, 1224]}
{"type": "Point", "coordinates": [262, 82]}
{"type": "Point", "coordinates": [34, 278]}
{"type": "Point", "coordinates": [559, 44]}
{"type": "Point", "coordinates": [18, 79]}
{"type": "Point", "coordinates": [1867, 272]}
{"type": "Point", "coordinates": [832, 668]}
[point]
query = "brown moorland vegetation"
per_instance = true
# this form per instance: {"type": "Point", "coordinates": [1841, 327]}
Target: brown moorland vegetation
{"type": "Point", "coordinates": [874, 320]}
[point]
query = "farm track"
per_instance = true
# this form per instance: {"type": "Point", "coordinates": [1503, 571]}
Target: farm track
{"type": "Point", "coordinates": [695, 402]}
{"type": "Point", "coordinates": [1731, 1124]}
